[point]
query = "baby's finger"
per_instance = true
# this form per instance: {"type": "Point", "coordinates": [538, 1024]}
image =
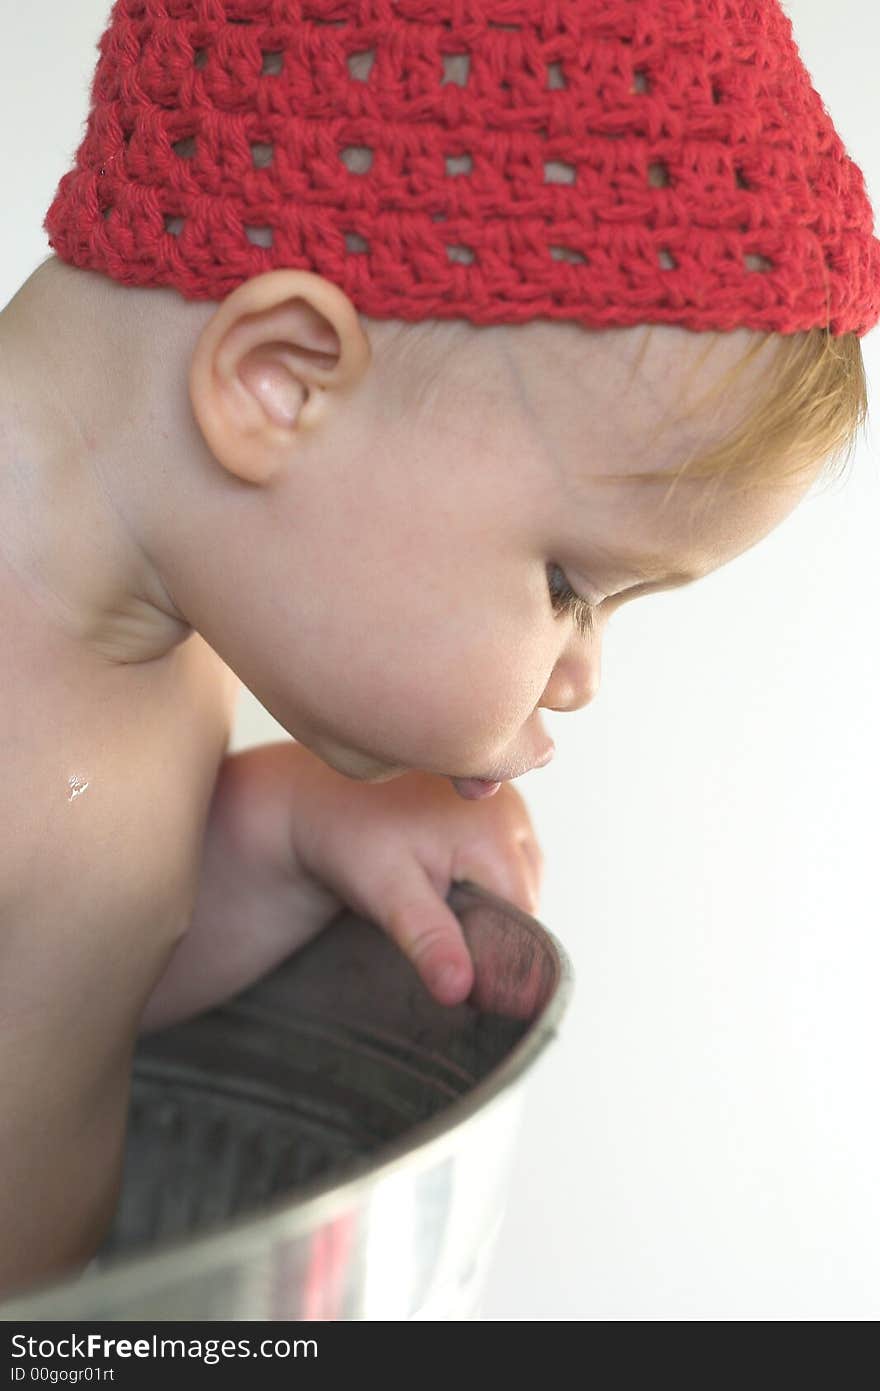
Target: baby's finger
{"type": "Point", "coordinates": [414, 916]}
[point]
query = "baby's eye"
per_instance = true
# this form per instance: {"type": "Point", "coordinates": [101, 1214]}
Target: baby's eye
{"type": "Point", "coordinates": [566, 601]}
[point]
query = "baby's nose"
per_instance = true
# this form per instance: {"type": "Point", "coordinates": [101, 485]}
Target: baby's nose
{"type": "Point", "coordinates": [576, 678]}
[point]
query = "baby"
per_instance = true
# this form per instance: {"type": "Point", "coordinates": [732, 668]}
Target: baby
{"type": "Point", "coordinates": [387, 429]}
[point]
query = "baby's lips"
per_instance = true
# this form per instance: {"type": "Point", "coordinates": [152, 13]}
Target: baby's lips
{"type": "Point", "coordinates": [474, 789]}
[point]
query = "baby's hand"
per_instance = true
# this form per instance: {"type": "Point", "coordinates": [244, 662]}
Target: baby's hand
{"type": "Point", "coordinates": [390, 852]}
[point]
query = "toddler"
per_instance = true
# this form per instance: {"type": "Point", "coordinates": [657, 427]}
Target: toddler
{"type": "Point", "coordinates": [379, 361]}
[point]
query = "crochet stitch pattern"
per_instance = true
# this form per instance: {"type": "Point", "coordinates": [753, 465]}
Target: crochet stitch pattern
{"type": "Point", "coordinates": [616, 162]}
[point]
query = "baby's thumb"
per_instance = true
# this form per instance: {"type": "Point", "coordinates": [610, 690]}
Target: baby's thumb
{"type": "Point", "coordinates": [412, 913]}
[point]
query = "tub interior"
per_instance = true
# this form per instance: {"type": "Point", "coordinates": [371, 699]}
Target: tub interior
{"type": "Point", "coordinates": [317, 1067]}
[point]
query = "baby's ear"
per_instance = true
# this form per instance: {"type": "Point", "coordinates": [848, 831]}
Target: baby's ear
{"type": "Point", "coordinates": [264, 364]}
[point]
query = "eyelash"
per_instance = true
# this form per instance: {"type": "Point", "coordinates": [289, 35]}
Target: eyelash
{"type": "Point", "coordinates": [584, 613]}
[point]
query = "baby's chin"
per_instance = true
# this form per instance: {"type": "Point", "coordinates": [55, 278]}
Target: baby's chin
{"type": "Point", "coordinates": [360, 767]}
{"type": "Point", "coordinates": [387, 776]}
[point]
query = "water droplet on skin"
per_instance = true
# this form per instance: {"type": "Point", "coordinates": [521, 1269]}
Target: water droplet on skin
{"type": "Point", "coordinates": [76, 786]}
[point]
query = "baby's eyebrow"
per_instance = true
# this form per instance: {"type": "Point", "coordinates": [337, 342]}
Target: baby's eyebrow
{"type": "Point", "coordinates": [649, 586]}
{"type": "Point", "coordinates": [672, 581]}
{"type": "Point", "coordinates": [654, 569]}
{"type": "Point", "coordinates": [658, 567]}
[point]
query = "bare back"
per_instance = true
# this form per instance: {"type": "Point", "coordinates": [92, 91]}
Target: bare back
{"type": "Point", "coordinates": [108, 772]}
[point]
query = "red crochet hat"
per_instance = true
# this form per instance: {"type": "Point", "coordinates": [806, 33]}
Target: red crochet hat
{"type": "Point", "coordinates": [616, 163]}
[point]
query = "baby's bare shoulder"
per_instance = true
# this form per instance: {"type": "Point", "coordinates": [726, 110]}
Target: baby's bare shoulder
{"type": "Point", "coordinates": [107, 777]}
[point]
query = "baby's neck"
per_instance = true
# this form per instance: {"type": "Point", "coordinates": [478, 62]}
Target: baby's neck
{"type": "Point", "coordinates": [63, 541]}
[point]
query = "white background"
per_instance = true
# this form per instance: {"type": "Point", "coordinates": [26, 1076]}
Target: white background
{"type": "Point", "coordinates": [701, 1141]}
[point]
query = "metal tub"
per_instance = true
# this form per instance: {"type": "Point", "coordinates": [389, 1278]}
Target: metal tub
{"type": "Point", "coordinates": [331, 1143]}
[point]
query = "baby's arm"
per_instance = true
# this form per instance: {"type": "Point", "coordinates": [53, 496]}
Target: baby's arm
{"type": "Point", "coordinates": [290, 842]}
{"type": "Point", "coordinates": [255, 904]}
